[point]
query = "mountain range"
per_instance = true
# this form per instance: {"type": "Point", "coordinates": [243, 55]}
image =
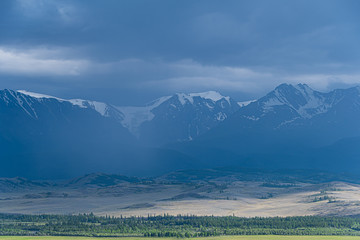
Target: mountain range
{"type": "Point", "coordinates": [293, 126]}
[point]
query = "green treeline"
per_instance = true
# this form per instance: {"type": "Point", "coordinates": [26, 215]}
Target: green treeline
{"type": "Point", "coordinates": [174, 226]}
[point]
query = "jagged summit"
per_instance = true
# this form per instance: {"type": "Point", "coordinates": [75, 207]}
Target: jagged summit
{"type": "Point", "coordinates": [210, 95]}
{"type": "Point", "coordinates": [38, 95]}
{"type": "Point", "coordinates": [305, 101]}
{"type": "Point", "coordinates": [184, 115]}
{"type": "Point", "coordinates": [189, 98]}
{"type": "Point", "coordinates": [100, 107]}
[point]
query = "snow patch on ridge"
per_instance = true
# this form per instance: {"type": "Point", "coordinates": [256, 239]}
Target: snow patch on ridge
{"type": "Point", "coordinates": [38, 95]}
{"type": "Point", "coordinates": [183, 98]}
{"type": "Point", "coordinates": [210, 95]}
{"type": "Point", "coordinates": [101, 108]}
{"type": "Point", "coordinates": [220, 116]}
{"type": "Point", "coordinates": [23, 103]}
{"type": "Point", "coordinates": [135, 116]}
{"type": "Point", "coordinates": [314, 101]}
{"type": "Point", "coordinates": [245, 103]}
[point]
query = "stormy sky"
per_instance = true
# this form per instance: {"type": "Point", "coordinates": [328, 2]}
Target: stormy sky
{"type": "Point", "coordinates": [132, 51]}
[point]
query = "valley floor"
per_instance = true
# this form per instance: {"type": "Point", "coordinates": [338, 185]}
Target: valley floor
{"type": "Point", "coordinates": [206, 192]}
{"type": "Point", "coordinates": [238, 198]}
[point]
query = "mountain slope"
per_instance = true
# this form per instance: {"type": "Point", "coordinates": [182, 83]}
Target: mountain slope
{"type": "Point", "coordinates": [39, 134]}
{"type": "Point", "coordinates": [299, 112]}
{"type": "Point", "coordinates": [281, 130]}
{"type": "Point", "coordinates": [48, 137]}
{"type": "Point", "coordinates": [181, 117]}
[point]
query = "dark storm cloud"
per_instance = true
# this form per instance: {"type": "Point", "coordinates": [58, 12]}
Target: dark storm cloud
{"type": "Point", "coordinates": [133, 51]}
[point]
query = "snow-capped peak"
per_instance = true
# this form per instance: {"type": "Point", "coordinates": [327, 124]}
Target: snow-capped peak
{"type": "Point", "coordinates": [101, 108]}
{"type": "Point", "coordinates": [245, 103]}
{"type": "Point", "coordinates": [158, 102]}
{"type": "Point", "coordinates": [134, 117]}
{"type": "Point", "coordinates": [210, 95]}
{"type": "Point", "coordinates": [184, 98]}
{"type": "Point", "coordinates": [38, 95]}
{"type": "Point", "coordinates": [301, 98]}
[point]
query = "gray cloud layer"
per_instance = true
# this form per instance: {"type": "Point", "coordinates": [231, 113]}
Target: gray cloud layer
{"type": "Point", "coordinates": [133, 51]}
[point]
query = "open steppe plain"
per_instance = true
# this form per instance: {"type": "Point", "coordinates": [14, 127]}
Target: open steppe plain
{"type": "Point", "coordinates": [207, 192]}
